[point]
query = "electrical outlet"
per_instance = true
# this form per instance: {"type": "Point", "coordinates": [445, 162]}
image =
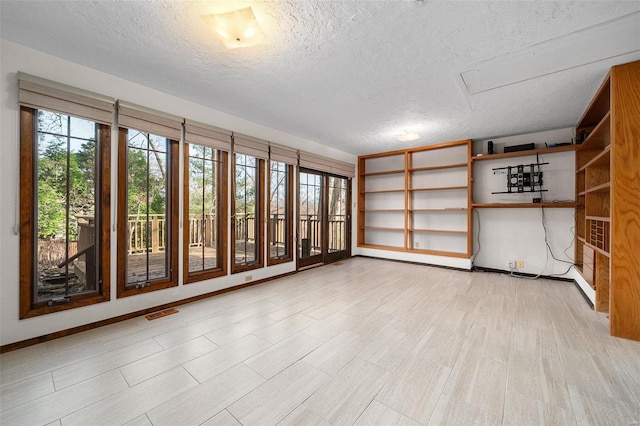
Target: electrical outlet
{"type": "Point", "coordinates": [416, 244]}
{"type": "Point", "coordinates": [512, 265]}
{"type": "Point", "coordinates": [248, 277]}
{"type": "Point", "coordinates": [520, 264]}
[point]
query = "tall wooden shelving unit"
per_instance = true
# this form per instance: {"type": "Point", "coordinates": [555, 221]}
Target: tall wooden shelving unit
{"type": "Point", "coordinates": [608, 196]}
{"type": "Point", "coordinates": [417, 200]}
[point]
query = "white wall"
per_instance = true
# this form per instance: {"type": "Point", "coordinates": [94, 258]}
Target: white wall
{"type": "Point", "coordinates": [518, 234]}
{"type": "Point", "coordinates": [16, 58]}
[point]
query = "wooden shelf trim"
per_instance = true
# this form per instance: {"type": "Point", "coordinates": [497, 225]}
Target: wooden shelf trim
{"type": "Point", "coordinates": [439, 231]}
{"type": "Point", "coordinates": [600, 136]}
{"type": "Point", "coordinates": [602, 159]}
{"type": "Point", "coordinates": [444, 166]}
{"type": "Point", "coordinates": [381, 228]}
{"type": "Point", "coordinates": [382, 191]}
{"type": "Point", "coordinates": [386, 172]}
{"type": "Point", "coordinates": [560, 205]}
{"type": "Point", "coordinates": [524, 153]}
{"type": "Point", "coordinates": [600, 218]}
{"type": "Point", "coordinates": [420, 251]}
{"type": "Point", "coordinates": [444, 188]}
{"type": "Point", "coordinates": [599, 250]}
{"type": "Point", "coordinates": [445, 209]}
{"type": "Point", "coordinates": [581, 239]}
{"type": "Point", "coordinates": [598, 188]}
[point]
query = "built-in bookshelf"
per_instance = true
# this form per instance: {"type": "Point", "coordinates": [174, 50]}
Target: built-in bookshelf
{"type": "Point", "coordinates": [607, 188]}
{"type": "Point", "coordinates": [417, 200]}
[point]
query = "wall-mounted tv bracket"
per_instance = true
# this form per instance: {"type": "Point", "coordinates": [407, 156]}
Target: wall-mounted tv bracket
{"type": "Point", "coordinates": [522, 178]}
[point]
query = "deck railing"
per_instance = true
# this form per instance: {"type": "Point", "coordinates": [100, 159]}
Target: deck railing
{"type": "Point", "coordinates": [310, 233]}
{"type": "Point", "coordinates": [202, 231]}
{"type": "Point", "coordinates": [146, 234]}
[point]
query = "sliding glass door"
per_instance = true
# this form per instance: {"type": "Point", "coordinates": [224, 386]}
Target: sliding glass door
{"type": "Point", "coordinates": [324, 218]}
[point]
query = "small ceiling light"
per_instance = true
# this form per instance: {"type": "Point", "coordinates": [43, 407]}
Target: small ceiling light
{"type": "Point", "coordinates": [238, 28]}
{"type": "Point", "coordinates": [407, 136]}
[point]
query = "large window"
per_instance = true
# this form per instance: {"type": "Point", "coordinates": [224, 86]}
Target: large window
{"type": "Point", "coordinates": [147, 211]}
{"type": "Point", "coordinates": [64, 245]}
{"type": "Point", "coordinates": [205, 195]}
{"type": "Point", "coordinates": [247, 226]}
{"type": "Point", "coordinates": [280, 226]}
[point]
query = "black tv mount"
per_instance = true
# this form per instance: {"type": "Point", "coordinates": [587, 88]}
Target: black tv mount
{"type": "Point", "coordinates": [523, 178]}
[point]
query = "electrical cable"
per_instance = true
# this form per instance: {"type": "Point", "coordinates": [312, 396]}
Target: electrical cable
{"type": "Point", "coordinates": [473, 259]}
{"type": "Point", "coordinates": [544, 225]}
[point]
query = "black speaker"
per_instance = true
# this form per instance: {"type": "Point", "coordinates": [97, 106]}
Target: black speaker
{"type": "Point", "coordinates": [490, 147]}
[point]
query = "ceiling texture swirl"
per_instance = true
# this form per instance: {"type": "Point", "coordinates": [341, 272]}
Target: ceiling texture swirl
{"type": "Point", "coordinates": [353, 74]}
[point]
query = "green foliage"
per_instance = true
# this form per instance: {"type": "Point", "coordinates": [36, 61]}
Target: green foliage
{"type": "Point", "coordinates": [51, 214]}
{"type": "Point", "coordinates": [245, 188]}
{"type": "Point", "coordinates": [53, 159]}
{"type": "Point", "coordinates": [146, 184]}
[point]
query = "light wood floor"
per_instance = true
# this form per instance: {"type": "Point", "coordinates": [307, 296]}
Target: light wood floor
{"type": "Point", "coordinates": [363, 342]}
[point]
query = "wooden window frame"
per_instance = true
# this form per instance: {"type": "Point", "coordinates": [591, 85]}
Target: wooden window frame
{"type": "Point", "coordinates": [289, 229]}
{"type": "Point", "coordinates": [28, 306]}
{"type": "Point", "coordinates": [172, 204]}
{"type": "Point", "coordinates": [259, 262]}
{"type": "Point", "coordinates": [223, 194]}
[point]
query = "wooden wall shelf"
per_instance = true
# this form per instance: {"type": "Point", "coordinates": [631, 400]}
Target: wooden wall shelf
{"type": "Point", "coordinates": [444, 166]}
{"type": "Point", "coordinates": [559, 205]}
{"type": "Point", "coordinates": [600, 160]}
{"type": "Point", "coordinates": [386, 172]}
{"type": "Point", "coordinates": [427, 208]}
{"type": "Point", "coordinates": [444, 188]}
{"type": "Point", "coordinates": [435, 231]}
{"type": "Point", "coordinates": [524, 153]}
{"type": "Point", "coordinates": [599, 188]}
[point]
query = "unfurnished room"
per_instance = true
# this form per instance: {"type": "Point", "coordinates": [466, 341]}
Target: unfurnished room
{"type": "Point", "coordinates": [296, 212]}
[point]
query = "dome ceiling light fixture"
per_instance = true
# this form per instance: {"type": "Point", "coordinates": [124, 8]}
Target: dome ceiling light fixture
{"type": "Point", "coordinates": [238, 28]}
{"type": "Point", "coordinates": [407, 136]}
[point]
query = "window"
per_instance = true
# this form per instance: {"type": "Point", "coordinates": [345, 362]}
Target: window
{"type": "Point", "coordinates": [280, 226]}
{"type": "Point", "coordinates": [205, 213]}
{"type": "Point", "coordinates": [147, 212]}
{"type": "Point", "coordinates": [337, 215]}
{"type": "Point", "coordinates": [310, 213]}
{"type": "Point", "coordinates": [247, 226]}
{"type": "Point", "coordinates": [64, 210]}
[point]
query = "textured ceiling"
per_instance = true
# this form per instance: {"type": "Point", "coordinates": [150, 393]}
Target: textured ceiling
{"type": "Point", "coordinates": [347, 74]}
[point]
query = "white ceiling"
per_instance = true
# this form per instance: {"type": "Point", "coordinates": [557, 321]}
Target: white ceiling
{"type": "Point", "coordinates": [347, 74]}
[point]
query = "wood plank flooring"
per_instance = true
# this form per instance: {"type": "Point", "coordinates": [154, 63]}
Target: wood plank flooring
{"type": "Point", "coordinates": [366, 342]}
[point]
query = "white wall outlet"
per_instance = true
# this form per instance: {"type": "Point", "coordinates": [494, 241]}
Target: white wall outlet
{"type": "Point", "coordinates": [512, 265]}
{"type": "Point", "coordinates": [416, 244]}
{"type": "Point", "coordinates": [520, 264]}
{"type": "Point", "coordinates": [248, 277]}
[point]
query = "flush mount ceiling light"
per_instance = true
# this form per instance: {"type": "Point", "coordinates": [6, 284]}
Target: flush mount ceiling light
{"type": "Point", "coordinates": [407, 136]}
{"type": "Point", "coordinates": [238, 28]}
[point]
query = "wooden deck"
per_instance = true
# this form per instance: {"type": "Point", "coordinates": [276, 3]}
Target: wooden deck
{"type": "Point", "coordinates": [199, 260]}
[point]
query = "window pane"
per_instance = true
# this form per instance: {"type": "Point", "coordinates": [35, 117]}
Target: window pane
{"type": "Point", "coordinates": [65, 214]}
{"type": "Point", "coordinates": [279, 211]}
{"type": "Point", "coordinates": [310, 214]}
{"type": "Point", "coordinates": [246, 225]}
{"type": "Point", "coordinates": [203, 208]}
{"type": "Point", "coordinates": [147, 208]}
{"type": "Point", "coordinates": [337, 219]}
